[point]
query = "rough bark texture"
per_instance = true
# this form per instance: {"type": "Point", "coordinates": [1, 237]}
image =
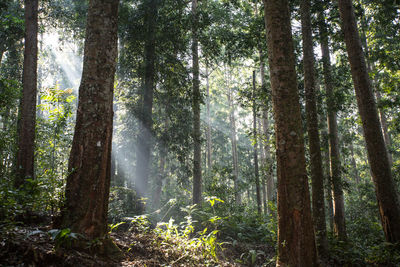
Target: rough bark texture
{"type": "Point", "coordinates": [88, 184]}
{"type": "Point", "coordinates": [143, 154]}
{"type": "Point", "coordinates": [334, 154]}
{"type": "Point", "coordinates": [296, 243]}
{"type": "Point", "coordinates": [27, 112]}
{"type": "Point", "coordinates": [197, 179]}
{"type": "Point", "coordinates": [317, 175]}
{"type": "Point", "coordinates": [377, 154]}
{"type": "Point", "coordinates": [232, 124]}
{"type": "Point", "coordinates": [255, 137]}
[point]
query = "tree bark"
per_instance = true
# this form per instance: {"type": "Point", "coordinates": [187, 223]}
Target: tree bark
{"type": "Point", "coordinates": [317, 176]}
{"type": "Point", "coordinates": [334, 154]}
{"type": "Point", "coordinates": [380, 167]}
{"type": "Point", "coordinates": [255, 141]}
{"type": "Point", "coordinates": [27, 112]}
{"type": "Point", "coordinates": [296, 242]}
{"type": "Point", "coordinates": [370, 68]}
{"type": "Point", "coordinates": [88, 182]}
{"type": "Point", "coordinates": [143, 154]}
{"type": "Point", "coordinates": [196, 99]}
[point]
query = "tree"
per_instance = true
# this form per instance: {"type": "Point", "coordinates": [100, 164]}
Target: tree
{"type": "Point", "coordinates": [146, 121]}
{"type": "Point", "coordinates": [88, 182]}
{"type": "Point", "coordinates": [232, 128]}
{"type": "Point", "coordinates": [385, 189]}
{"type": "Point", "coordinates": [317, 176]}
{"type": "Point", "coordinates": [27, 121]}
{"type": "Point", "coordinates": [255, 145]}
{"type": "Point", "coordinates": [333, 137]}
{"type": "Point", "coordinates": [196, 100]}
{"type": "Point", "coordinates": [296, 242]}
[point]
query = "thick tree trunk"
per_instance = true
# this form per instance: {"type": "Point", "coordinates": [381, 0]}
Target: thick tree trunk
{"type": "Point", "coordinates": [317, 176]}
{"type": "Point", "coordinates": [335, 169]}
{"type": "Point", "coordinates": [380, 167]}
{"type": "Point", "coordinates": [296, 242]}
{"type": "Point", "coordinates": [232, 124]}
{"type": "Point", "coordinates": [255, 137]}
{"type": "Point", "coordinates": [88, 182]}
{"type": "Point", "coordinates": [374, 83]}
{"type": "Point", "coordinates": [197, 179]}
{"type": "Point", "coordinates": [209, 142]}
{"type": "Point", "coordinates": [27, 112]}
{"type": "Point", "coordinates": [143, 154]}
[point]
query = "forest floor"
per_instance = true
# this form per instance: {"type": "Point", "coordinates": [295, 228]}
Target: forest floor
{"type": "Point", "coordinates": [34, 246]}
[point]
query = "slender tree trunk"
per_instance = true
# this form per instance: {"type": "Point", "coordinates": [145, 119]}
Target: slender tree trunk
{"type": "Point", "coordinates": [296, 242]}
{"type": "Point", "coordinates": [256, 170]}
{"type": "Point", "coordinates": [263, 180]}
{"type": "Point", "coordinates": [163, 158]}
{"type": "Point", "coordinates": [88, 183]}
{"type": "Point", "coordinates": [385, 129]}
{"type": "Point", "coordinates": [378, 157]}
{"type": "Point", "coordinates": [317, 176]}
{"type": "Point", "coordinates": [1, 55]}
{"type": "Point", "coordinates": [335, 169]}
{"type": "Point", "coordinates": [232, 124]}
{"type": "Point", "coordinates": [354, 164]}
{"type": "Point", "coordinates": [269, 179]}
{"type": "Point", "coordinates": [329, 198]}
{"type": "Point", "coordinates": [209, 142]}
{"type": "Point", "coordinates": [197, 179]}
{"type": "Point", "coordinates": [161, 177]}
{"type": "Point", "coordinates": [27, 112]}
{"type": "Point", "coordinates": [143, 154]}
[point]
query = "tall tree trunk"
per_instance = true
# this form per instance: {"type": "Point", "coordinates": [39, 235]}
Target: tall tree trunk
{"type": "Point", "coordinates": [296, 242]}
{"type": "Point", "coordinates": [334, 154]}
{"type": "Point", "coordinates": [197, 179]}
{"type": "Point", "coordinates": [209, 142]}
{"type": "Point", "coordinates": [255, 137]}
{"type": "Point", "coordinates": [269, 179]}
{"type": "Point", "coordinates": [317, 176]}
{"type": "Point", "coordinates": [380, 167]}
{"type": "Point", "coordinates": [232, 124]}
{"type": "Point", "coordinates": [263, 180]}
{"type": "Point", "coordinates": [329, 198]}
{"type": "Point", "coordinates": [88, 182]}
{"type": "Point", "coordinates": [27, 120]}
{"type": "Point", "coordinates": [374, 83]}
{"type": "Point", "coordinates": [161, 171]}
{"type": "Point", "coordinates": [143, 153]}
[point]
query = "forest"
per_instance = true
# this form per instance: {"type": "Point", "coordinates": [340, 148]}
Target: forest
{"type": "Point", "coordinates": [199, 133]}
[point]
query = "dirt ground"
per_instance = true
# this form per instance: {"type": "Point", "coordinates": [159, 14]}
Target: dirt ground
{"type": "Point", "coordinates": [33, 246]}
